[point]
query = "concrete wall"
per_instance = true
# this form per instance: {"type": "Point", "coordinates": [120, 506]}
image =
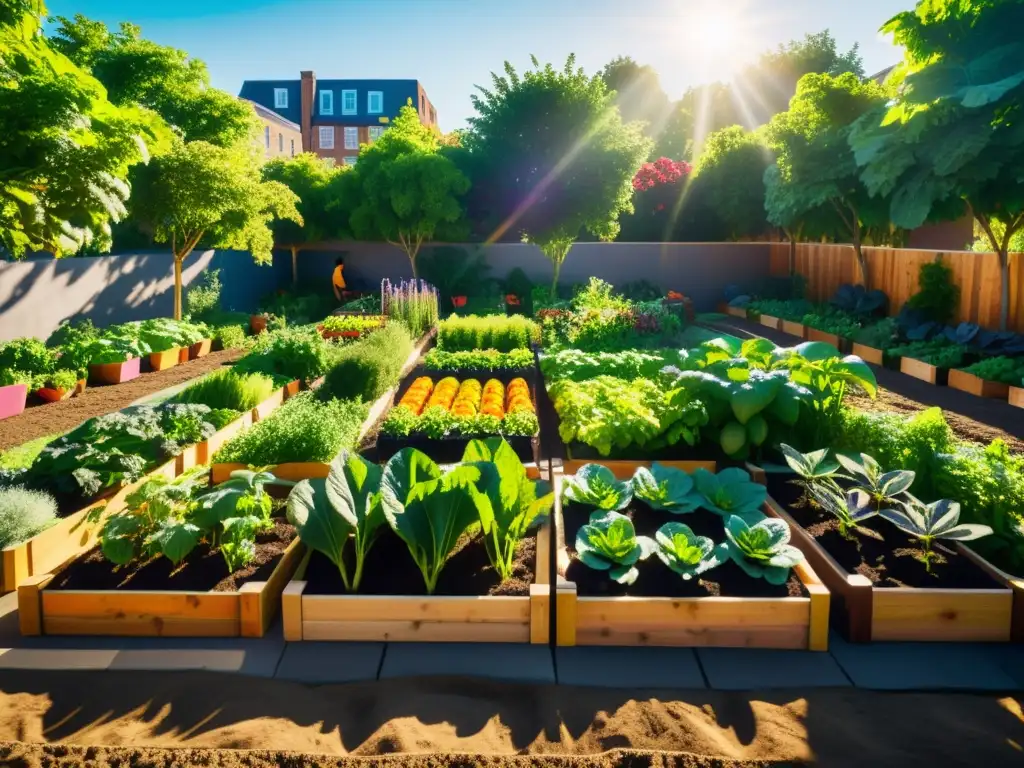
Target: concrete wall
{"type": "Point", "coordinates": [40, 292]}
{"type": "Point", "coordinates": [700, 270]}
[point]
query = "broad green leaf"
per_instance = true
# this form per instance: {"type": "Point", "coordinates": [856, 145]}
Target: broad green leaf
{"type": "Point", "coordinates": [176, 540]}
{"type": "Point", "coordinates": [405, 469]}
{"type": "Point", "coordinates": [318, 525]}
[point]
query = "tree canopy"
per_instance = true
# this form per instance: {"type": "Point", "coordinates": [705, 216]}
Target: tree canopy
{"type": "Point", "coordinates": [404, 190]}
{"type": "Point", "coordinates": [138, 71]}
{"type": "Point", "coordinates": [730, 174]}
{"type": "Point", "coordinates": [638, 93]}
{"type": "Point", "coordinates": [65, 149]}
{"type": "Point", "coordinates": [552, 156]}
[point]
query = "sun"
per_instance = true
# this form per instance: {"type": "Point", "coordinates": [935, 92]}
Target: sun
{"type": "Point", "coordinates": [717, 34]}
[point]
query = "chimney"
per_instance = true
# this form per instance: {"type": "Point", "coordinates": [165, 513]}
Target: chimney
{"type": "Point", "coordinates": [308, 92]}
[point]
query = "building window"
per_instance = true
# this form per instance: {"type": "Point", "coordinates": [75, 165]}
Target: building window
{"type": "Point", "coordinates": [280, 142]}
{"type": "Point", "coordinates": [375, 102]}
{"type": "Point", "coordinates": [351, 138]}
{"type": "Point", "coordinates": [326, 102]}
{"type": "Point", "coordinates": [280, 98]}
{"type": "Point", "coordinates": [266, 136]}
{"type": "Point", "coordinates": [326, 137]}
{"type": "Point", "coordinates": [376, 131]}
{"type": "Point", "coordinates": [351, 160]}
{"type": "Point", "coordinates": [349, 105]}
{"type": "Point", "coordinates": [293, 147]}
{"type": "Point", "coordinates": [433, 116]}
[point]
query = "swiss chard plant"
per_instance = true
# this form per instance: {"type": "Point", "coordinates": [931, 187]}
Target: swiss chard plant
{"type": "Point", "coordinates": [344, 507]}
{"type": "Point", "coordinates": [686, 553]}
{"type": "Point", "coordinates": [666, 488]}
{"type": "Point", "coordinates": [928, 522]}
{"type": "Point", "coordinates": [609, 543]}
{"type": "Point", "coordinates": [762, 550]}
{"type": "Point", "coordinates": [730, 492]}
{"type": "Point", "coordinates": [597, 486]}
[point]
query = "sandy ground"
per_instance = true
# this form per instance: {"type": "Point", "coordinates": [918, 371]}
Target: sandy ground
{"type": "Point", "coordinates": [133, 713]}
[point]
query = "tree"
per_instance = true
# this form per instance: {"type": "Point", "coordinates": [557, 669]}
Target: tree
{"type": "Point", "coordinates": [65, 150]}
{"type": "Point", "coordinates": [199, 191]}
{"type": "Point", "coordinates": [552, 156]}
{"type": "Point", "coordinates": [404, 190]}
{"type": "Point", "coordinates": [954, 138]}
{"type": "Point", "coordinates": [730, 173]}
{"type": "Point", "coordinates": [638, 93]}
{"type": "Point", "coordinates": [165, 79]}
{"type": "Point", "coordinates": [657, 194]}
{"type": "Point", "coordinates": [309, 177]}
{"type": "Point", "coordinates": [815, 162]}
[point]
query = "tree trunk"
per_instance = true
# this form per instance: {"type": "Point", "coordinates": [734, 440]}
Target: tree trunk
{"type": "Point", "coordinates": [295, 266]}
{"type": "Point", "coordinates": [554, 282]}
{"type": "Point", "coordinates": [177, 286]}
{"type": "Point", "coordinates": [862, 263]}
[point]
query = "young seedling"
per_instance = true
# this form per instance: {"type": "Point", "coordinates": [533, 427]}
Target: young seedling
{"type": "Point", "coordinates": [762, 550]}
{"type": "Point", "coordinates": [685, 552]}
{"type": "Point", "coordinates": [813, 470]}
{"type": "Point", "coordinates": [665, 488]}
{"type": "Point", "coordinates": [609, 543]}
{"type": "Point", "coordinates": [884, 488]}
{"type": "Point", "coordinates": [850, 508]}
{"type": "Point", "coordinates": [730, 492]}
{"type": "Point", "coordinates": [927, 522]}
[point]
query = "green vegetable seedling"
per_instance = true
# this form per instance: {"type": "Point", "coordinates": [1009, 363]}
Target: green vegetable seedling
{"type": "Point", "coordinates": [927, 522]}
{"type": "Point", "coordinates": [730, 492]}
{"type": "Point", "coordinates": [609, 543]}
{"type": "Point", "coordinates": [597, 486]}
{"type": "Point", "coordinates": [686, 553]}
{"type": "Point", "coordinates": [666, 488]}
{"type": "Point", "coordinates": [762, 550]}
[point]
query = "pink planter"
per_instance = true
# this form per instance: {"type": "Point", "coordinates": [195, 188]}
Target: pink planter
{"type": "Point", "coordinates": [12, 400]}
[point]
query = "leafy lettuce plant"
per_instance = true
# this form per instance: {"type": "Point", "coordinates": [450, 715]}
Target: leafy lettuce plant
{"type": "Point", "coordinates": [609, 543]}
{"type": "Point", "coordinates": [517, 503]}
{"type": "Point", "coordinates": [686, 553]}
{"type": "Point", "coordinates": [597, 486]}
{"type": "Point", "coordinates": [762, 550]}
{"type": "Point", "coordinates": [345, 506]}
{"type": "Point", "coordinates": [666, 488]}
{"type": "Point", "coordinates": [928, 522]}
{"type": "Point", "coordinates": [730, 492]}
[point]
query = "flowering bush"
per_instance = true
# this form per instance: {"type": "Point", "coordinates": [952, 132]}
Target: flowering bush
{"type": "Point", "coordinates": [661, 171]}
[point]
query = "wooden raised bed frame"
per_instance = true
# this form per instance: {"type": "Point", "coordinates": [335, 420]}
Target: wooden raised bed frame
{"type": "Point", "coordinates": [1017, 397]}
{"type": "Point", "coordinates": [771, 322]}
{"type": "Point", "coordinates": [246, 613]}
{"type": "Point", "coordinates": [923, 371]}
{"type": "Point", "coordinates": [437, 618]}
{"type": "Point", "coordinates": [789, 622]}
{"type": "Point", "coordinates": [869, 354]}
{"type": "Point", "coordinates": [794, 329]}
{"type": "Point", "coordinates": [905, 614]}
{"type": "Point", "coordinates": [813, 334]}
{"type": "Point", "coordinates": [968, 382]}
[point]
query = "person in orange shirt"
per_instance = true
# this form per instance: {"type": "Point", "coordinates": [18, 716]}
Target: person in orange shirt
{"type": "Point", "coordinates": [338, 280]}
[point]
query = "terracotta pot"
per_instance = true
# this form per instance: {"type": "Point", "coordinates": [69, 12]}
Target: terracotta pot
{"type": "Point", "coordinates": [257, 324]}
{"type": "Point", "coordinates": [115, 373]}
{"type": "Point", "coordinates": [200, 349]}
{"type": "Point", "coordinates": [12, 400]}
{"type": "Point", "coordinates": [55, 394]}
{"type": "Point", "coordinates": [161, 361]}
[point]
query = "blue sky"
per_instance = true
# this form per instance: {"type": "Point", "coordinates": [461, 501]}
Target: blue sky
{"type": "Point", "coordinates": [452, 45]}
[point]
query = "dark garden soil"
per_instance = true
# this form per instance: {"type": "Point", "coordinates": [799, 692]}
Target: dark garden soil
{"type": "Point", "coordinates": [56, 719]}
{"type": "Point", "coordinates": [44, 419]}
{"type": "Point", "coordinates": [202, 571]}
{"type": "Point", "coordinates": [658, 580]}
{"type": "Point", "coordinates": [880, 551]}
{"type": "Point", "coordinates": [390, 570]}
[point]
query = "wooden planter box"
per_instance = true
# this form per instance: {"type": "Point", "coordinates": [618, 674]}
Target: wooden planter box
{"type": "Point", "coordinates": [401, 618]}
{"type": "Point", "coordinates": [54, 395]}
{"type": "Point", "coordinates": [867, 613]}
{"type": "Point", "coordinates": [246, 613]}
{"type": "Point", "coordinates": [968, 382]}
{"type": "Point", "coordinates": [869, 354]}
{"type": "Point", "coordinates": [723, 622]}
{"type": "Point", "coordinates": [923, 371]}
{"type": "Point", "coordinates": [1017, 397]}
{"type": "Point", "coordinates": [13, 398]}
{"type": "Point", "coordinates": [200, 349]}
{"type": "Point", "coordinates": [740, 312]}
{"type": "Point", "coordinates": [115, 373]}
{"type": "Point", "coordinates": [771, 322]}
{"type": "Point", "coordinates": [794, 329]}
{"type": "Point", "coordinates": [68, 538]}
{"type": "Point", "coordinates": [813, 334]}
{"type": "Point", "coordinates": [1015, 584]}
{"type": "Point", "coordinates": [161, 361]}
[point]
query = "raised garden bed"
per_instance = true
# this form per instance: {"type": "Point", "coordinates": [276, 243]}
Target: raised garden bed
{"type": "Point", "coordinates": [872, 355]}
{"type": "Point", "coordinates": [974, 385]}
{"type": "Point", "coordinates": [795, 329]}
{"type": "Point", "coordinates": [662, 609]}
{"type": "Point", "coordinates": [813, 334]}
{"type": "Point", "coordinates": [115, 373]}
{"type": "Point", "coordinates": [876, 582]}
{"type": "Point", "coordinates": [12, 400]}
{"type": "Point", "coordinates": [1017, 397]}
{"type": "Point", "coordinates": [924, 371]}
{"type": "Point", "coordinates": [768, 321]}
{"type": "Point", "coordinates": [740, 312]}
{"type": "Point", "coordinates": [469, 605]}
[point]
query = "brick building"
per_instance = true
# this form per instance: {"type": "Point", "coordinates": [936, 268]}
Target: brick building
{"type": "Point", "coordinates": [280, 137]}
{"type": "Point", "coordinates": [335, 116]}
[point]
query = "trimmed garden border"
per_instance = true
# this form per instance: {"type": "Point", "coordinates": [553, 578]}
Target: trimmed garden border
{"type": "Point", "coordinates": [425, 618]}
{"type": "Point", "coordinates": [786, 622]}
{"type": "Point", "coordinates": [904, 614]}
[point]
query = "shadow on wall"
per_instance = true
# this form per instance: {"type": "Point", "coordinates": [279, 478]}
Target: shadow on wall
{"type": "Point", "coordinates": [37, 294]}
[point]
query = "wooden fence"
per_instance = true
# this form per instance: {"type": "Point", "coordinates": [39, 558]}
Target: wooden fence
{"type": "Point", "coordinates": [895, 271]}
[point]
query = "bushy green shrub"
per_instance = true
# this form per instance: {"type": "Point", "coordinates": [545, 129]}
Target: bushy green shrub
{"type": "Point", "coordinates": [599, 295]}
{"type": "Point", "coordinates": [503, 333]}
{"type": "Point", "coordinates": [883, 335]}
{"type": "Point", "coordinates": [369, 367]}
{"type": "Point", "coordinates": [305, 428]}
{"type": "Point", "coordinates": [938, 296]}
{"type": "Point", "coordinates": [229, 389]}
{"type": "Point", "coordinates": [297, 353]}
{"type": "Point", "coordinates": [203, 298]}
{"type": "Point", "coordinates": [23, 514]}
{"type": "Point", "coordinates": [230, 336]}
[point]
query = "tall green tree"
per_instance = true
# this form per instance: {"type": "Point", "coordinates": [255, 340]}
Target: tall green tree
{"type": "Point", "coordinates": [815, 163]}
{"type": "Point", "coordinates": [730, 175]}
{"type": "Point", "coordinates": [201, 192]}
{"type": "Point", "coordinates": [638, 93]}
{"type": "Point", "coordinates": [138, 71]}
{"type": "Point", "coordinates": [404, 189]}
{"type": "Point", "coordinates": [955, 137]}
{"type": "Point", "coordinates": [310, 178]}
{"type": "Point", "coordinates": [65, 150]}
{"type": "Point", "coordinates": [553, 157]}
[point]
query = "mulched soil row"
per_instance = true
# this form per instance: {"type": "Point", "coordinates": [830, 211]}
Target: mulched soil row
{"type": "Point", "coordinates": [972, 418]}
{"type": "Point", "coordinates": [56, 418]}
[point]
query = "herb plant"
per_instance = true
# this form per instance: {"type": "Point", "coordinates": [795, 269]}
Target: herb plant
{"type": "Point", "coordinates": [686, 553]}
{"type": "Point", "coordinates": [597, 486]}
{"type": "Point", "coordinates": [369, 367]}
{"type": "Point", "coordinates": [29, 355]}
{"type": "Point", "coordinates": [835, 321]}
{"type": "Point", "coordinates": [294, 353]}
{"type": "Point", "coordinates": [1006, 370]}
{"type": "Point", "coordinates": [761, 549]}
{"type": "Point", "coordinates": [500, 332]}
{"type": "Point", "coordinates": [939, 352]}
{"type": "Point", "coordinates": [23, 514]}
{"type": "Point", "coordinates": [609, 543]}
{"type": "Point", "coordinates": [578, 365]}
{"type": "Point", "coordinates": [883, 335]}
{"type": "Point", "coordinates": [927, 522]}
{"type": "Point", "coordinates": [882, 488]}
{"type": "Point", "coordinates": [229, 336]}
{"type": "Point", "coordinates": [356, 323]}
{"type": "Point", "coordinates": [227, 389]}
{"type": "Point", "coordinates": [478, 360]}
